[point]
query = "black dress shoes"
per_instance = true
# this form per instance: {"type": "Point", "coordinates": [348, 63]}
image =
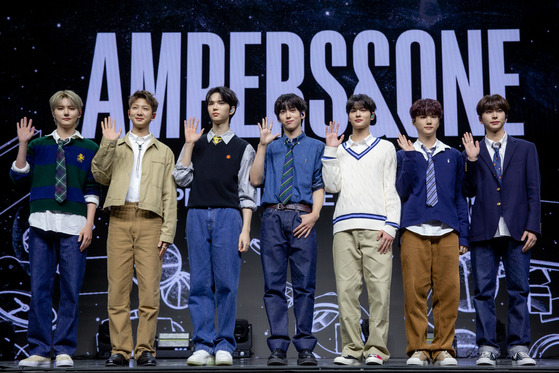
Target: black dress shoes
{"type": "Point", "coordinates": [116, 360]}
{"type": "Point", "coordinates": [277, 357]}
{"type": "Point", "coordinates": [146, 359]}
{"type": "Point", "coordinates": [306, 357]}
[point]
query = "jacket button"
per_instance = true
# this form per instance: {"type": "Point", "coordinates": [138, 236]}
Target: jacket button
{"type": "Point", "coordinates": [498, 189]}
{"type": "Point", "coordinates": [498, 203]}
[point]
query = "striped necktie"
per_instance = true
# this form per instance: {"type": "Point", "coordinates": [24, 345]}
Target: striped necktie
{"type": "Point", "coordinates": [286, 188]}
{"type": "Point", "coordinates": [60, 186]}
{"type": "Point", "coordinates": [430, 179]}
{"type": "Point", "coordinates": [497, 160]}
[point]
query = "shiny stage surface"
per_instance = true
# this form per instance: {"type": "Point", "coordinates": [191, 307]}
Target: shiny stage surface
{"type": "Point", "coordinates": [259, 365]}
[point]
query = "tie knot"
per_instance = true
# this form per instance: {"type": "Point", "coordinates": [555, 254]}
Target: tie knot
{"type": "Point", "coordinates": [496, 145]}
{"type": "Point", "coordinates": [216, 139]}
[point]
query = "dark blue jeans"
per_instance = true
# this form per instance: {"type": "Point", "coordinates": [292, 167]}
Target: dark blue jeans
{"type": "Point", "coordinates": [485, 264]}
{"type": "Point", "coordinates": [212, 236]}
{"type": "Point", "coordinates": [47, 250]}
{"type": "Point", "coordinates": [278, 247]}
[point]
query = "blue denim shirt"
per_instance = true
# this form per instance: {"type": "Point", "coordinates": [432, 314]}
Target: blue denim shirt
{"type": "Point", "coordinates": [307, 170]}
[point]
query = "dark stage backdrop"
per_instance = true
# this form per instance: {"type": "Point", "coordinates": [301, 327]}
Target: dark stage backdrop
{"type": "Point", "coordinates": [395, 51]}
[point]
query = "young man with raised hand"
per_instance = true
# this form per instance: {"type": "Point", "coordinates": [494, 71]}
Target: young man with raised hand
{"type": "Point", "coordinates": [502, 173]}
{"type": "Point", "coordinates": [435, 233]}
{"type": "Point", "coordinates": [290, 169]}
{"type": "Point", "coordinates": [142, 200]}
{"type": "Point", "coordinates": [366, 219]}
{"type": "Point", "coordinates": [220, 206]}
{"type": "Point", "coordinates": [63, 200]}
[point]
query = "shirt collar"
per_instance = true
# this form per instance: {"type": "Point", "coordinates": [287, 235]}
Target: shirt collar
{"type": "Point", "coordinates": [490, 143]}
{"type": "Point", "coordinates": [296, 140]}
{"type": "Point", "coordinates": [439, 147]}
{"type": "Point", "coordinates": [226, 137]}
{"type": "Point", "coordinates": [366, 141]}
{"type": "Point", "coordinates": [56, 136]}
{"type": "Point", "coordinates": [135, 138]}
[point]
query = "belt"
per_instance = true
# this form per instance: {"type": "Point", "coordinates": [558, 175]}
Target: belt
{"type": "Point", "coordinates": [291, 206]}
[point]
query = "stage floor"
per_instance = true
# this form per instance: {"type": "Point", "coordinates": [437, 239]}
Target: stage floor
{"type": "Point", "coordinates": [259, 365]}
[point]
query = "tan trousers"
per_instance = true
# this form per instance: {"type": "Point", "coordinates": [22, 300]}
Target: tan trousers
{"type": "Point", "coordinates": [132, 243]}
{"type": "Point", "coordinates": [430, 263]}
{"type": "Point", "coordinates": [356, 257]}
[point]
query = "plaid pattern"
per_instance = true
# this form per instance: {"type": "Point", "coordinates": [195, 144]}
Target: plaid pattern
{"type": "Point", "coordinates": [60, 186]}
{"type": "Point", "coordinates": [286, 188]}
{"type": "Point", "coordinates": [432, 197]}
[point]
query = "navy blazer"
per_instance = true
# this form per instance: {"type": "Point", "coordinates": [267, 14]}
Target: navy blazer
{"type": "Point", "coordinates": [517, 199]}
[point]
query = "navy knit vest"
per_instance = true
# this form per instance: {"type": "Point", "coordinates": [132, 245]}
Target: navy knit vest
{"type": "Point", "coordinates": [216, 173]}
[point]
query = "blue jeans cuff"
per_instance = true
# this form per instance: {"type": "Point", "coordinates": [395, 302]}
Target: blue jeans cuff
{"type": "Point", "coordinates": [491, 349]}
{"type": "Point", "coordinates": [513, 350]}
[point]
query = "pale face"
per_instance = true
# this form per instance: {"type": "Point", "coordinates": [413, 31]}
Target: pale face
{"type": "Point", "coordinates": [493, 120]}
{"type": "Point", "coordinates": [219, 110]}
{"type": "Point", "coordinates": [360, 117]}
{"type": "Point", "coordinates": [66, 114]}
{"type": "Point", "coordinates": [290, 119]}
{"type": "Point", "coordinates": [427, 125]}
{"type": "Point", "coordinates": [141, 114]}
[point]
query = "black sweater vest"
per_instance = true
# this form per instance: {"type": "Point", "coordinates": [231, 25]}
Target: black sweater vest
{"type": "Point", "coordinates": [216, 173]}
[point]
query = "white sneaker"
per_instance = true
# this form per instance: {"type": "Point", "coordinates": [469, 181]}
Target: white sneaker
{"type": "Point", "coordinates": [200, 358]}
{"type": "Point", "coordinates": [346, 360]}
{"type": "Point", "coordinates": [373, 359]}
{"type": "Point", "coordinates": [487, 358]}
{"type": "Point", "coordinates": [445, 359]}
{"type": "Point", "coordinates": [418, 358]}
{"type": "Point", "coordinates": [522, 358]}
{"type": "Point", "coordinates": [223, 358]}
{"type": "Point", "coordinates": [35, 361]}
{"type": "Point", "coordinates": [63, 360]}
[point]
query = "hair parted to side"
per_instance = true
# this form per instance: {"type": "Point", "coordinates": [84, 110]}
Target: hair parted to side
{"type": "Point", "coordinates": [72, 96]}
{"type": "Point", "coordinates": [55, 99]}
{"type": "Point", "coordinates": [227, 95]}
{"type": "Point", "coordinates": [146, 95]}
{"type": "Point", "coordinates": [492, 102]}
{"type": "Point", "coordinates": [426, 106]}
{"type": "Point", "coordinates": [360, 100]}
{"type": "Point", "coordinates": [288, 101]}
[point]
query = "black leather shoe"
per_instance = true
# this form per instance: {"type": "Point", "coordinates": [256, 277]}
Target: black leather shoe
{"type": "Point", "coordinates": [277, 357]}
{"type": "Point", "coordinates": [146, 359]}
{"type": "Point", "coordinates": [306, 357]}
{"type": "Point", "coordinates": [116, 360]}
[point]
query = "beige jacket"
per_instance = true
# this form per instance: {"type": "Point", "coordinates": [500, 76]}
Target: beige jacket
{"type": "Point", "coordinates": [112, 166]}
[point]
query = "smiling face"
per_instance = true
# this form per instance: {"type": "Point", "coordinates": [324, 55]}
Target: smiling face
{"type": "Point", "coordinates": [219, 110]}
{"type": "Point", "coordinates": [493, 120]}
{"type": "Point", "coordinates": [66, 114]}
{"type": "Point", "coordinates": [426, 125]}
{"type": "Point", "coordinates": [360, 117]}
{"type": "Point", "coordinates": [141, 114]}
{"type": "Point", "coordinates": [291, 119]}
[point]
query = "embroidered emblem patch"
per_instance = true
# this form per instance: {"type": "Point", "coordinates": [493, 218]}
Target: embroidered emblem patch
{"type": "Point", "coordinates": [81, 158]}
{"type": "Point", "coordinates": [228, 156]}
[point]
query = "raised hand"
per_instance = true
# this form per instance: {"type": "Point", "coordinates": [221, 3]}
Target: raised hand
{"type": "Point", "coordinates": [332, 135]}
{"type": "Point", "coordinates": [471, 147]}
{"type": "Point", "coordinates": [190, 128]}
{"type": "Point", "coordinates": [266, 136]}
{"type": "Point", "coordinates": [25, 130]}
{"type": "Point", "coordinates": [404, 143]}
{"type": "Point", "coordinates": [109, 129]}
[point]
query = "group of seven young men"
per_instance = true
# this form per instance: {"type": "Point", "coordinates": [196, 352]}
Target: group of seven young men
{"type": "Point", "coordinates": [420, 190]}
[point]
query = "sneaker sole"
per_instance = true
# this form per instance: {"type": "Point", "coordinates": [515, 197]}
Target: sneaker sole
{"type": "Point", "coordinates": [357, 363]}
{"type": "Point", "coordinates": [222, 363]}
{"type": "Point", "coordinates": [35, 365]}
{"type": "Point", "coordinates": [199, 364]}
